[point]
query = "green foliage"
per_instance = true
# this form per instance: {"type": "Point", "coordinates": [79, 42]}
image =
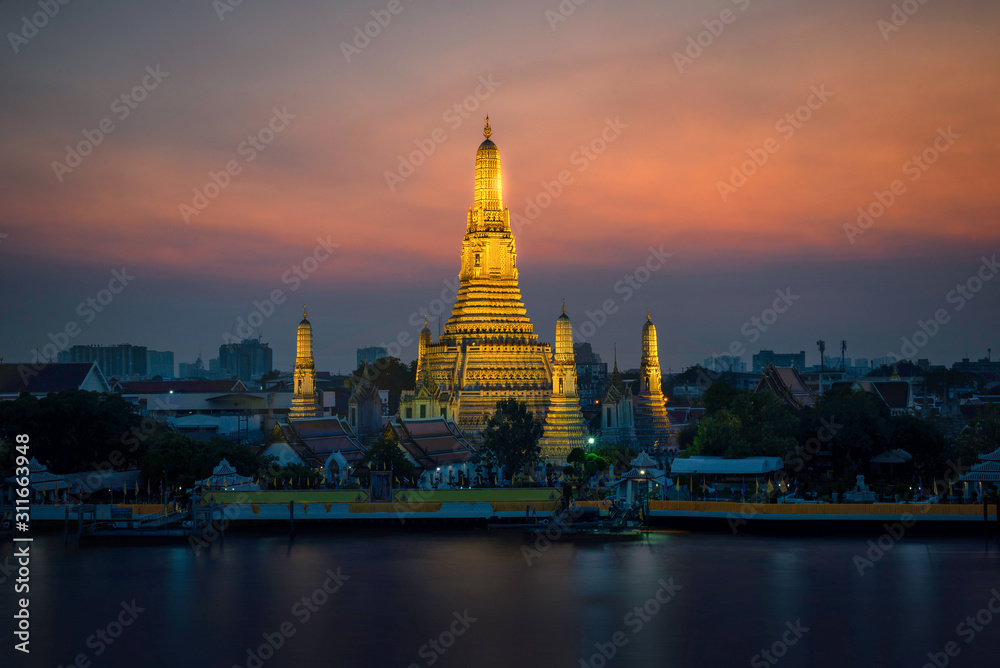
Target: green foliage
{"type": "Point", "coordinates": [575, 456]}
{"type": "Point", "coordinates": [616, 454]}
{"type": "Point", "coordinates": [510, 439]}
{"type": "Point", "coordinates": [856, 426]}
{"type": "Point", "coordinates": [389, 373]}
{"type": "Point", "coordinates": [718, 396]}
{"type": "Point", "coordinates": [922, 439]}
{"type": "Point", "coordinates": [185, 460]}
{"type": "Point", "coordinates": [75, 430]}
{"type": "Point", "coordinates": [386, 454]}
{"type": "Point", "coordinates": [982, 434]}
{"type": "Point", "coordinates": [686, 436]}
{"type": "Point", "coordinates": [743, 424]}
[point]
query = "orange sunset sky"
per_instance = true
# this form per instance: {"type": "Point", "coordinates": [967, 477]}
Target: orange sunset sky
{"type": "Point", "coordinates": [555, 85]}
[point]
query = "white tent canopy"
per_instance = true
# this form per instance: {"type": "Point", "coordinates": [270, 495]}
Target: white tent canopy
{"type": "Point", "coordinates": [720, 466]}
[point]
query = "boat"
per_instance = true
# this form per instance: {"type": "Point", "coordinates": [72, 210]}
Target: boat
{"type": "Point", "coordinates": [585, 524]}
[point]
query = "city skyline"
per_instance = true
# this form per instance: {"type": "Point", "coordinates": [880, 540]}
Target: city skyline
{"type": "Point", "coordinates": [645, 143]}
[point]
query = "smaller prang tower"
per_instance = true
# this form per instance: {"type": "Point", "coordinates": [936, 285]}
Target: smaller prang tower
{"type": "Point", "coordinates": [652, 426]}
{"type": "Point", "coordinates": [304, 401]}
{"type": "Point", "coordinates": [564, 427]}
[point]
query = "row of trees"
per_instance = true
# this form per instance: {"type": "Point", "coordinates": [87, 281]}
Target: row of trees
{"type": "Point", "coordinates": [851, 426]}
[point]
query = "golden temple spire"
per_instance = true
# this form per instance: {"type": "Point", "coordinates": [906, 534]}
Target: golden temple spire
{"type": "Point", "coordinates": [425, 320]}
{"type": "Point", "coordinates": [305, 315]}
{"type": "Point", "coordinates": [647, 315]}
{"type": "Point", "coordinates": [487, 131]}
{"type": "Point", "coordinates": [564, 304]}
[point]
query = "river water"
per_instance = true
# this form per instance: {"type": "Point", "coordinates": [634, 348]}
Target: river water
{"type": "Point", "coordinates": [471, 598]}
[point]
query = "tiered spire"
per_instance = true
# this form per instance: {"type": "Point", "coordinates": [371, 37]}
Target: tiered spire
{"type": "Point", "coordinates": [651, 421]}
{"type": "Point", "coordinates": [305, 404]}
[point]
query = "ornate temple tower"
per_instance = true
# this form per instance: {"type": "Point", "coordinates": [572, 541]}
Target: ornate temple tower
{"type": "Point", "coordinates": [488, 351]}
{"type": "Point", "coordinates": [422, 345]}
{"type": "Point", "coordinates": [618, 410]}
{"type": "Point", "coordinates": [651, 421]}
{"type": "Point", "coordinates": [564, 427]}
{"type": "Point", "coordinates": [304, 401]}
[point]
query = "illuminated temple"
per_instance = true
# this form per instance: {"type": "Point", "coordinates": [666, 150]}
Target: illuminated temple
{"type": "Point", "coordinates": [488, 350]}
{"type": "Point", "coordinates": [651, 422]}
{"type": "Point", "coordinates": [564, 427]}
{"type": "Point", "coordinates": [304, 400]}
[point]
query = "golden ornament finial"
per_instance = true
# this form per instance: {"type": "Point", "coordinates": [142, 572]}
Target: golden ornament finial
{"type": "Point", "coordinates": [487, 131]}
{"type": "Point", "coordinates": [425, 320]}
{"type": "Point", "coordinates": [304, 313]}
{"type": "Point", "coordinates": [647, 314]}
{"type": "Point", "coordinates": [564, 306]}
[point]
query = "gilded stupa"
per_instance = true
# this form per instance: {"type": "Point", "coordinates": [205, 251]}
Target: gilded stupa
{"type": "Point", "coordinates": [651, 422]}
{"type": "Point", "coordinates": [488, 350]}
{"type": "Point", "coordinates": [304, 400]}
{"type": "Point", "coordinates": [564, 427]}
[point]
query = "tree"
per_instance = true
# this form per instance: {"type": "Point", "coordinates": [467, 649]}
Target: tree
{"type": "Point", "coordinates": [183, 460]}
{"type": "Point", "coordinates": [510, 439]}
{"type": "Point", "coordinates": [739, 423]}
{"type": "Point", "coordinates": [718, 396]}
{"type": "Point", "coordinates": [386, 454]}
{"type": "Point", "coordinates": [853, 426]}
{"type": "Point", "coordinates": [388, 373]}
{"type": "Point", "coordinates": [922, 439]}
{"type": "Point", "coordinates": [982, 434]}
{"type": "Point", "coordinates": [75, 430]}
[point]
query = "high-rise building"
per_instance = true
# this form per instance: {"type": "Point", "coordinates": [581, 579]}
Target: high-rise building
{"type": "Point", "coordinates": [371, 354]}
{"type": "Point", "coordinates": [304, 401]}
{"type": "Point", "coordinates": [488, 350]}
{"type": "Point", "coordinates": [247, 360]}
{"type": "Point", "coordinates": [123, 361]}
{"type": "Point", "coordinates": [564, 427]}
{"type": "Point", "coordinates": [160, 363]}
{"type": "Point", "coordinates": [651, 422]}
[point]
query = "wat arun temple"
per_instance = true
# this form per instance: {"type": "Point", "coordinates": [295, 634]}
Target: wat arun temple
{"type": "Point", "coordinates": [489, 350]}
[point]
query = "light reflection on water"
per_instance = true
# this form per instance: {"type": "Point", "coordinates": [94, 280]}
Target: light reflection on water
{"type": "Point", "coordinates": [737, 595]}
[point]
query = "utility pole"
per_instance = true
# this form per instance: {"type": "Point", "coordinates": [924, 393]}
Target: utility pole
{"type": "Point", "coordinates": [822, 368]}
